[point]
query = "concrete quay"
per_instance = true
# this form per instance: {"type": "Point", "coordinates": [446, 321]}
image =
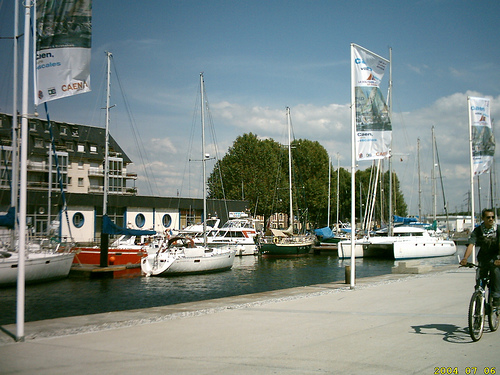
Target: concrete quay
{"type": "Point", "coordinates": [390, 324]}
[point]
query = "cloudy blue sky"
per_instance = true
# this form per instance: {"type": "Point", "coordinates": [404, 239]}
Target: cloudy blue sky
{"type": "Point", "coordinates": [259, 57]}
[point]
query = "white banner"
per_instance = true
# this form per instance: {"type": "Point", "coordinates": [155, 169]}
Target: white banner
{"type": "Point", "coordinates": [483, 140]}
{"type": "Point", "coordinates": [373, 123]}
{"type": "Point", "coordinates": [63, 42]}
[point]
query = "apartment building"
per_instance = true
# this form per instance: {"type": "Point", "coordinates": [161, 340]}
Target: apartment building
{"type": "Point", "coordinates": [76, 176]}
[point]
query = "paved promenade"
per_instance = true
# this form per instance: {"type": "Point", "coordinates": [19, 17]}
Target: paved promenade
{"type": "Point", "coordinates": [392, 324]}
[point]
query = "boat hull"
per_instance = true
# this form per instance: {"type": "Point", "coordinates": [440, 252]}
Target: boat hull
{"type": "Point", "coordinates": [284, 250]}
{"type": "Point", "coordinates": [170, 264]}
{"type": "Point", "coordinates": [92, 256]}
{"type": "Point", "coordinates": [398, 249]}
{"type": "Point", "coordinates": [38, 267]}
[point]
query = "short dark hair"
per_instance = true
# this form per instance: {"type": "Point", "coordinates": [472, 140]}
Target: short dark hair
{"type": "Point", "coordinates": [483, 212]}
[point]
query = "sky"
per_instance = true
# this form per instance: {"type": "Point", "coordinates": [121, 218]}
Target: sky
{"type": "Point", "coordinates": [259, 57]}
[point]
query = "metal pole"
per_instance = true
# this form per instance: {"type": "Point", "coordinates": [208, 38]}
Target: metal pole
{"type": "Point", "coordinates": [353, 172]}
{"type": "Point", "coordinates": [329, 188]}
{"type": "Point", "coordinates": [203, 159]}
{"type": "Point", "coordinates": [104, 236]}
{"type": "Point", "coordinates": [471, 178]}
{"type": "Point", "coordinates": [23, 177]}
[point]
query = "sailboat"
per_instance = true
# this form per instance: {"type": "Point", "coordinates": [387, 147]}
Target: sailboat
{"type": "Point", "coordinates": [20, 261]}
{"type": "Point", "coordinates": [277, 243]}
{"type": "Point", "coordinates": [124, 252]}
{"type": "Point", "coordinates": [180, 255]}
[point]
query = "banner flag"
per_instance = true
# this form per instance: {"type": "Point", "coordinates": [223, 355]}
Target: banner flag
{"type": "Point", "coordinates": [63, 41]}
{"type": "Point", "coordinates": [373, 123]}
{"type": "Point", "coordinates": [483, 139]}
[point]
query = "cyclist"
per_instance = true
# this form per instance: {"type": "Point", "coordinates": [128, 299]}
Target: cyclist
{"type": "Point", "coordinates": [487, 237]}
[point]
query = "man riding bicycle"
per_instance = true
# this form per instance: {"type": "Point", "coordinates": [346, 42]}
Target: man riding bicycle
{"type": "Point", "coordinates": [487, 237]}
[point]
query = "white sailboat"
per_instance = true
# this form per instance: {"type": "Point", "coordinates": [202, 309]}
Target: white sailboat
{"type": "Point", "coordinates": [20, 262]}
{"type": "Point", "coordinates": [277, 243]}
{"type": "Point", "coordinates": [180, 255]}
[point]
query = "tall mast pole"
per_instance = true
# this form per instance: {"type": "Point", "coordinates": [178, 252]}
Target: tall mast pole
{"type": "Point", "coordinates": [105, 236]}
{"type": "Point", "coordinates": [338, 186]}
{"type": "Point", "coordinates": [203, 159]}
{"type": "Point", "coordinates": [419, 183]}
{"type": "Point", "coordinates": [329, 187]}
{"type": "Point", "coordinates": [290, 164]}
{"type": "Point", "coordinates": [433, 176]}
{"type": "Point", "coordinates": [390, 152]}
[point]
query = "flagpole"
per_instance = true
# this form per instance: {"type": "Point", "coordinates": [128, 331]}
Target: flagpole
{"type": "Point", "coordinates": [23, 178]}
{"type": "Point", "coordinates": [471, 176]}
{"type": "Point", "coordinates": [353, 172]}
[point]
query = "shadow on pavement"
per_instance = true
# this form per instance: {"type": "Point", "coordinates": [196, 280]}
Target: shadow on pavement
{"type": "Point", "coordinates": [450, 332]}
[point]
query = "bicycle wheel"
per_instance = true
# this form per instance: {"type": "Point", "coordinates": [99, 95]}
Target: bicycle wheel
{"type": "Point", "coordinates": [493, 315]}
{"type": "Point", "coordinates": [476, 316]}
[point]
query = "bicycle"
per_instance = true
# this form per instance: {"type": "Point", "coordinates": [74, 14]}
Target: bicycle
{"type": "Point", "coordinates": [481, 306]}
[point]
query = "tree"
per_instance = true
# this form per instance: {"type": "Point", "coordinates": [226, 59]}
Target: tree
{"type": "Point", "coordinates": [257, 171]}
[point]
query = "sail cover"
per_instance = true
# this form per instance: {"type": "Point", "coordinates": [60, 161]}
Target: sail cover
{"type": "Point", "coordinates": [483, 140]}
{"type": "Point", "coordinates": [373, 123]}
{"type": "Point", "coordinates": [63, 43]}
{"type": "Point", "coordinates": [8, 220]}
{"type": "Point", "coordinates": [109, 227]}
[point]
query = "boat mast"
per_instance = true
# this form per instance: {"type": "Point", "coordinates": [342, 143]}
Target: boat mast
{"type": "Point", "coordinates": [203, 158]}
{"type": "Point", "coordinates": [338, 187]}
{"type": "Point", "coordinates": [290, 165]}
{"type": "Point", "coordinates": [433, 177]}
{"type": "Point", "coordinates": [105, 236]}
{"type": "Point", "coordinates": [329, 188]}
{"type": "Point", "coordinates": [391, 209]}
{"type": "Point", "coordinates": [419, 184]}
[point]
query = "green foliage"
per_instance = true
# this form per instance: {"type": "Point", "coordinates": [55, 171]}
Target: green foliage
{"type": "Point", "coordinates": [256, 170]}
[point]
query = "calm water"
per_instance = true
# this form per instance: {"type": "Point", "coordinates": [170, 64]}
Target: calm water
{"type": "Point", "coordinates": [72, 297]}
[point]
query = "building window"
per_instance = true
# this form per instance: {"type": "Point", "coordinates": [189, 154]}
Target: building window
{"type": "Point", "coordinates": [93, 149]}
{"type": "Point", "coordinates": [64, 130]}
{"type": "Point", "coordinates": [81, 148]}
{"type": "Point", "coordinates": [80, 164]}
{"type": "Point", "coordinates": [140, 220]}
{"type": "Point", "coordinates": [39, 143]}
{"type": "Point", "coordinates": [80, 181]}
{"type": "Point", "coordinates": [78, 220]}
{"type": "Point", "coordinates": [69, 146]}
{"type": "Point", "coordinates": [32, 127]}
{"type": "Point", "coordinates": [166, 220]}
{"type": "Point", "coordinates": [69, 180]}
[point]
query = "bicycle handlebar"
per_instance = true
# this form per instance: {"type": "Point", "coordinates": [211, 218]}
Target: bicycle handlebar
{"type": "Point", "coordinates": [469, 265]}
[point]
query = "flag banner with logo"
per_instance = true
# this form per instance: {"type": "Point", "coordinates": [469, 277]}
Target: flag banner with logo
{"type": "Point", "coordinates": [373, 123]}
{"type": "Point", "coordinates": [62, 52]}
{"type": "Point", "coordinates": [483, 140]}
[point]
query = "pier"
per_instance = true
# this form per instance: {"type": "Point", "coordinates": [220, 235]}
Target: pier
{"type": "Point", "coordinates": [389, 324]}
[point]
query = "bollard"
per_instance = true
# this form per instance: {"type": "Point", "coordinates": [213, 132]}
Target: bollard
{"type": "Point", "coordinates": [347, 274]}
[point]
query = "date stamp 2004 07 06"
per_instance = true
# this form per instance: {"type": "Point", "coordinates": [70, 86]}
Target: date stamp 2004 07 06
{"type": "Point", "coordinates": [471, 370]}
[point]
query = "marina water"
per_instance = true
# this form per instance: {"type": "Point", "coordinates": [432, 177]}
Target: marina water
{"type": "Point", "coordinates": [250, 274]}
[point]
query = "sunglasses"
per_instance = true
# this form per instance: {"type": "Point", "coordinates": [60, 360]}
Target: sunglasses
{"type": "Point", "coordinates": [490, 217]}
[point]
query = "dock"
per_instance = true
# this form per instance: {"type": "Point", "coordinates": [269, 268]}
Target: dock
{"type": "Point", "coordinates": [391, 324]}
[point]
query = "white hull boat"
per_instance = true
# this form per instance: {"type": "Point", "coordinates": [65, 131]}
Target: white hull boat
{"type": "Point", "coordinates": [406, 243]}
{"type": "Point", "coordinates": [181, 256]}
{"type": "Point", "coordinates": [38, 267]}
{"type": "Point", "coordinates": [237, 234]}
